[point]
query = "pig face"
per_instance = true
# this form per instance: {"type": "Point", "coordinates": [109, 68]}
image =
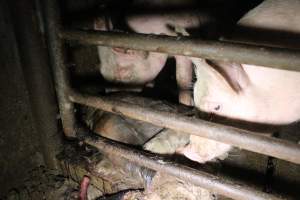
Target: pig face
{"type": "Point", "coordinates": [130, 66]}
{"type": "Point", "coordinates": [140, 67]}
{"type": "Point", "coordinates": [254, 93]}
{"type": "Point", "coordinates": [247, 92]}
{"type": "Point", "coordinates": [214, 94]}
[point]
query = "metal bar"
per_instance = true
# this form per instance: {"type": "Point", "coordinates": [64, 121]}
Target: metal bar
{"type": "Point", "coordinates": [237, 137]}
{"type": "Point", "coordinates": [61, 76]}
{"type": "Point", "coordinates": [203, 179]}
{"type": "Point", "coordinates": [37, 74]}
{"type": "Point", "coordinates": [215, 50]}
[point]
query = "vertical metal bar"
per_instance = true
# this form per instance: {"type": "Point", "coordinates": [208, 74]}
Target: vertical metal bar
{"type": "Point", "coordinates": [37, 73]}
{"type": "Point", "coordinates": [61, 75]}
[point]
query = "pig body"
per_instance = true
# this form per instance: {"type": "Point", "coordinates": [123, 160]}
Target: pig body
{"type": "Point", "coordinates": [248, 92]}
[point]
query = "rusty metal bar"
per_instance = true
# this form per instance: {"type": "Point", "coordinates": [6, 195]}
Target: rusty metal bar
{"type": "Point", "coordinates": [61, 76]}
{"type": "Point", "coordinates": [237, 137]}
{"type": "Point", "coordinates": [215, 50]}
{"type": "Point", "coordinates": [203, 179]}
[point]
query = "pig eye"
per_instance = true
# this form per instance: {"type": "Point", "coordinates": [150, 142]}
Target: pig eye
{"type": "Point", "coordinates": [217, 108]}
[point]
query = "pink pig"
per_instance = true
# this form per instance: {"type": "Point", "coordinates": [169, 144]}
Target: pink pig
{"type": "Point", "coordinates": [248, 92]}
{"type": "Point", "coordinates": [141, 67]}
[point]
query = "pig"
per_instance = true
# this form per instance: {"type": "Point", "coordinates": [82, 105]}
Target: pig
{"type": "Point", "coordinates": [237, 91]}
{"type": "Point", "coordinates": [136, 62]}
{"type": "Point", "coordinates": [248, 92]}
{"type": "Point", "coordinates": [128, 66]}
{"type": "Point", "coordinates": [141, 67]}
{"type": "Point", "coordinates": [195, 148]}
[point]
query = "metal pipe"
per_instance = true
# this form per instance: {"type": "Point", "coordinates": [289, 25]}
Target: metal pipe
{"type": "Point", "coordinates": [38, 78]}
{"type": "Point", "coordinates": [61, 75]}
{"type": "Point", "coordinates": [237, 137]}
{"type": "Point", "coordinates": [215, 50]}
{"type": "Point", "coordinates": [203, 179]}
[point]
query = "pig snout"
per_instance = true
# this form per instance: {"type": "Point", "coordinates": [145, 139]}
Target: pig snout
{"type": "Point", "coordinates": [203, 150]}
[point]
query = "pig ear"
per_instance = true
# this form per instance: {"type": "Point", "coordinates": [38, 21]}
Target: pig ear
{"type": "Point", "coordinates": [206, 70]}
{"type": "Point", "coordinates": [234, 74]}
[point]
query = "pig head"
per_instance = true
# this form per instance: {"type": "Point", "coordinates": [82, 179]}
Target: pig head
{"type": "Point", "coordinates": [128, 66]}
{"type": "Point", "coordinates": [141, 67]}
{"type": "Point", "coordinates": [248, 92]}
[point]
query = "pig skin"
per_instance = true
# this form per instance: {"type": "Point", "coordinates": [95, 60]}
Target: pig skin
{"type": "Point", "coordinates": [247, 92]}
{"type": "Point", "coordinates": [238, 91]}
{"type": "Point", "coordinates": [140, 67]}
{"type": "Point", "coordinates": [264, 95]}
{"type": "Point", "coordinates": [121, 66]}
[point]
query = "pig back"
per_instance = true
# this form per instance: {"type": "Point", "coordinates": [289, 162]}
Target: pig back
{"type": "Point", "coordinates": [273, 23]}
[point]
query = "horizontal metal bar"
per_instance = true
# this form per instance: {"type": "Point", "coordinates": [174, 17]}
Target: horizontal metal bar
{"type": "Point", "coordinates": [208, 181]}
{"type": "Point", "coordinates": [60, 71]}
{"type": "Point", "coordinates": [236, 137]}
{"type": "Point", "coordinates": [215, 50]}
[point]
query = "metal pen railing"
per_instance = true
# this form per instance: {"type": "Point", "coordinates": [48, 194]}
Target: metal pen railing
{"type": "Point", "coordinates": [242, 53]}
